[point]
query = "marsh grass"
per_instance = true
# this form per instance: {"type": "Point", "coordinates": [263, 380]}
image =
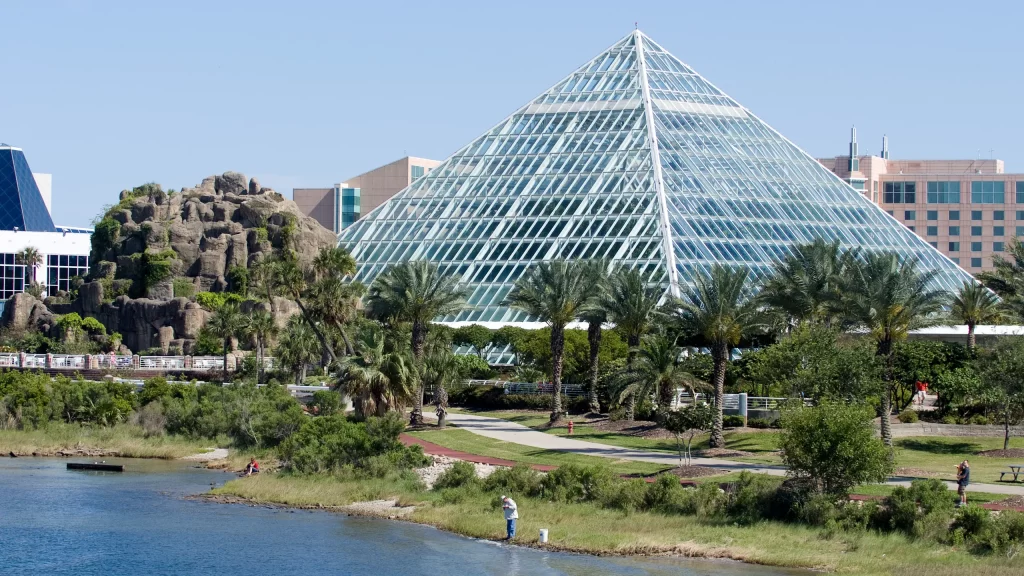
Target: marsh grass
{"type": "Point", "coordinates": [128, 440]}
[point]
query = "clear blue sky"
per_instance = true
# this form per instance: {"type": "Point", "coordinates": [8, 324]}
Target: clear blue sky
{"type": "Point", "coordinates": [108, 95]}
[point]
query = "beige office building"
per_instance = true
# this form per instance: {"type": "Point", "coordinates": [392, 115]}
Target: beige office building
{"type": "Point", "coordinates": [338, 207]}
{"type": "Point", "coordinates": [968, 209]}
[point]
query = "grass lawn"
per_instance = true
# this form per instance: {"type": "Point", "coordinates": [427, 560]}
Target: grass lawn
{"type": "Point", "coordinates": [587, 527]}
{"type": "Point", "coordinates": [476, 444]}
{"type": "Point", "coordinates": [129, 441]}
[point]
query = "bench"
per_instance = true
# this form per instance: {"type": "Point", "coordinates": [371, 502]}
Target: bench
{"type": "Point", "coordinates": [1016, 469]}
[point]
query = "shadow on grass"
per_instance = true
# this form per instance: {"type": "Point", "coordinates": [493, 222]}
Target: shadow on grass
{"type": "Point", "coordinates": [939, 446]}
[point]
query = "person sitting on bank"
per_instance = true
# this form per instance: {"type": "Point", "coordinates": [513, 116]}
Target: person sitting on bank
{"type": "Point", "coordinates": [508, 505]}
{"type": "Point", "coordinates": [253, 467]}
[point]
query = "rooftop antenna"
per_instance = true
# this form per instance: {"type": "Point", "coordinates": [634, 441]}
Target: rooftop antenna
{"type": "Point", "coordinates": [885, 147]}
{"type": "Point", "coordinates": [854, 164]}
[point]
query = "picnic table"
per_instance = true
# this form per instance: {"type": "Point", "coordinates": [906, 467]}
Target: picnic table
{"type": "Point", "coordinates": [1015, 469]}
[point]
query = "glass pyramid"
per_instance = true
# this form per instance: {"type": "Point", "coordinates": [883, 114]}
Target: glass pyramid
{"type": "Point", "coordinates": [636, 158]}
{"type": "Point", "coordinates": [21, 204]}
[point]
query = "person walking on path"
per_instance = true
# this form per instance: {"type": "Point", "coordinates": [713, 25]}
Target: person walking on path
{"type": "Point", "coordinates": [963, 478]}
{"type": "Point", "coordinates": [508, 505]}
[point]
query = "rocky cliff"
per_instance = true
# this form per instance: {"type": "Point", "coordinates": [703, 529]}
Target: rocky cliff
{"type": "Point", "coordinates": [154, 250]}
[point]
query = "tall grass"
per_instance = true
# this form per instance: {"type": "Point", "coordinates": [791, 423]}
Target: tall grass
{"type": "Point", "coordinates": [127, 440]}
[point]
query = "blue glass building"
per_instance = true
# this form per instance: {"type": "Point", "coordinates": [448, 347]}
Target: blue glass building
{"type": "Point", "coordinates": [635, 158]}
{"type": "Point", "coordinates": [21, 204]}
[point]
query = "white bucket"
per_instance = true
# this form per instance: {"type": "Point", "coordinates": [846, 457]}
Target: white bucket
{"type": "Point", "coordinates": [543, 535]}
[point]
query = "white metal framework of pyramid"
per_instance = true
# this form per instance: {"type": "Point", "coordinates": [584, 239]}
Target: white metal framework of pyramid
{"type": "Point", "coordinates": [636, 158]}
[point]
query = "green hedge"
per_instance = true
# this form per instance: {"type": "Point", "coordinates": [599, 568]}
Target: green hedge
{"type": "Point", "coordinates": [494, 398]}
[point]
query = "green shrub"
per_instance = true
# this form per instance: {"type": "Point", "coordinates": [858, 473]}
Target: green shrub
{"type": "Point", "coordinates": [335, 442]}
{"type": "Point", "coordinates": [972, 521]}
{"type": "Point", "coordinates": [520, 480]}
{"type": "Point", "coordinates": [979, 420]}
{"type": "Point", "coordinates": [908, 416]}
{"type": "Point", "coordinates": [183, 288]}
{"type": "Point", "coordinates": [949, 420]}
{"type": "Point", "coordinates": [762, 423]}
{"type": "Point", "coordinates": [819, 510]}
{"type": "Point", "coordinates": [460, 474]}
{"type": "Point", "coordinates": [709, 501]}
{"type": "Point", "coordinates": [751, 498]}
{"type": "Point", "coordinates": [575, 483]}
{"type": "Point", "coordinates": [213, 301]}
{"type": "Point", "coordinates": [154, 390]}
{"type": "Point", "coordinates": [474, 367]}
{"type": "Point", "coordinates": [732, 421]}
{"type": "Point", "coordinates": [667, 495]}
{"type": "Point", "coordinates": [627, 495]}
{"type": "Point", "coordinates": [326, 403]}
{"type": "Point", "coordinates": [1006, 533]}
{"type": "Point", "coordinates": [919, 510]}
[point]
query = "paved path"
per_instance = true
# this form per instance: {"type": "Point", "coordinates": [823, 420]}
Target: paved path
{"type": "Point", "coordinates": [438, 450]}
{"type": "Point", "coordinates": [507, 431]}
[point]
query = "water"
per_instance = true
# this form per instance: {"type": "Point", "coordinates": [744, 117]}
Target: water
{"type": "Point", "coordinates": [55, 521]}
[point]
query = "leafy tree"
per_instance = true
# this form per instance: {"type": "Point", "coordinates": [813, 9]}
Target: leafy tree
{"type": "Point", "coordinates": [834, 445]}
{"type": "Point", "coordinates": [689, 421]}
{"type": "Point", "coordinates": [512, 336]}
{"type": "Point", "coordinates": [263, 277]}
{"type": "Point", "coordinates": [475, 336]}
{"type": "Point", "coordinates": [655, 371]}
{"type": "Point", "coordinates": [595, 315]}
{"type": "Point", "coordinates": [238, 279]}
{"type": "Point", "coordinates": [630, 303]}
{"type": "Point", "coordinates": [226, 324]}
{"type": "Point", "coordinates": [804, 285]}
{"type": "Point", "coordinates": [536, 352]}
{"type": "Point", "coordinates": [1003, 372]}
{"type": "Point", "coordinates": [415, 292]}
{"type": "Point", "coordinates": [890, 297]}
{"type": "Point", "coordinates": [260, 326]}
{"type": "Point", "coordinates": [718, 308]}
{"type": "Point", "coordinates": [554, 292]}
{"type": "Point", "coordinates": [377, 380]}
{"type": "Point", "coordinates": [973, 305]}
{"type": "Point", "coordinates": [298, 347]}
{"type": "Point", "coordinates": [922, 361]}
{"type": "Point", "coordinates": [962, 388]}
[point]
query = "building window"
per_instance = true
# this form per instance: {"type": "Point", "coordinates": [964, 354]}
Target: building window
{"type": "Point", "coordinates": [998, 231]}
{"type": "Point", "coordinates": [997, 246]}
{"type": "Point", "coordinates": [988, 193]}
{"type": "Point", "coordinates": [975, 230]}
{"type": "Point", "coordinates": [943, 192]}
{"type": "Point", "coordinates": [1020, 194]}
{"type": "Point", "coordinates": [1020, 232]}
{"type": "Point", "coordinates": [857, 184]}
{"type": "Point", "coordinates": [900, 193]}
{"type": "Point", "coordinates": [934, 245]}
{"type": "Point", "coordinates": [417, 171]}
{"type": "Point", "coordinates": [912, 228]}
{"type": "Point", "coordinates": [954, 246]}
{"type": "Point", "coordinates": [876, 187]}
{"type": "Point", "coordinates": [890, 212]}
{"type": "Point", "coordinates": [999, 215]}
{"type": "Point", "coordinates": [975, 262]}
{"type": "Point", "coordinates": [954, 214]}
{"type": "Point", "coordinates": [910, 215]}
{"type": "Point", "coordinates": [955, 261]}
{"type": "Point", "coordinates": [975, 246]}
{"type": "Point", "coordinates": [954, 230]}
{"type": "Point", "coordinates": [975, 214]}
{"type": "Point", "coordinates": [932, 231]}
{"type": "Point", "coordinates": [933, 214]}
{"type": "Point", "coordinates": [12, 276]}
{"type": "Point", "coordinates": [61, 268]}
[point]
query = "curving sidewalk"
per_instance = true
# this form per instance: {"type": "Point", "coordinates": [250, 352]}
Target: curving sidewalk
{"type": "Point", "coordinates": [507, 431]}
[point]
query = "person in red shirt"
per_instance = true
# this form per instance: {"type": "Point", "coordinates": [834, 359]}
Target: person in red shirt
{"type": "Point", "coordinates": [921, 390]}
{"type": "Point", "coordinates": [253, 467]}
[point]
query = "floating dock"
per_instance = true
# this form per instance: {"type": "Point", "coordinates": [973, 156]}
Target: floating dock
{"type": "Point", "coordinates": [95, 466]}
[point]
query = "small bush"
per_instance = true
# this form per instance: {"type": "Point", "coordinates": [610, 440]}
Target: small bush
{"type": "Point", "coordinates": [908, 416]}
{"type": "Point", "coordinates": [949, 420]}
{"type": "Point", "coordinates": [152, 420]}
{"type": "Point", "coordinates": [1006, 534]}
{"type": "Point", "coordinates": [923, 510]}
{"type": "Point", "coordinates": [575, 483]}
{"type": "Point", "coordinates": [709, 501]}
{"type": "Point", "coordinates": [627, 495]}
{"type": "Point", "coordinates": [518, 480]}
{"type": "Point", "coordinates": [819, 510]}
{"type": "Point", "coordinates": [973, 521]}
{"type": "Point", "coordinates": [751, 498]}
{"type": "Point", "coordinates": [326, 403]}
{"type": "Point", "coordinates": [979, 420]}
{"type": "Point", "coordinates": [183, 288]}
{"type": "Point", "coordinates": [762, 423]}
{"type": "Point", "coordinates": [666, 495]}
{"type": "Point", "coordinates": [732, 421]}
{"type": "Point", "coordinates": [460, 474]}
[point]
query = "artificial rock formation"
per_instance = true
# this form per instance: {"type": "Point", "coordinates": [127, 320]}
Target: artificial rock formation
{"type": "Point", "coordinates": [197, 236]}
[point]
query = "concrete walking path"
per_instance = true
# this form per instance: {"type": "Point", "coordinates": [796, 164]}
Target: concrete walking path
{"type": "Point", "coordinates": [507, 431]}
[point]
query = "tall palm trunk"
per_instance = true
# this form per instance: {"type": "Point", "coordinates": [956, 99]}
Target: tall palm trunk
{"type": "Point", "coordinates": [316, 330]}
{"type": "Point", "coordinates": [885, 351]}
{"type": "Point", "coordinates": [720, 355]}
{"type": "Point", "coordinates": [441, 396]}
{"type": "Point", "coordinates": [632, 341]}
{"type": "Point", "coordinates": [1006, 423]}
{"type": "Point", "coordinates": [227, 346]}
{"type": "Point", "coordinates": [419, 342]}
{"type": "Point", "coordinates": [594, 338]}
{"type": "Point", "coordinates": [971, 338]}
{"type": "Point", "coordinates": [557, 351]}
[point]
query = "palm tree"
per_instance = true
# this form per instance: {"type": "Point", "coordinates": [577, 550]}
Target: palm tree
{"type": "Point", "coordinates": [263, 276]}
{"type": "Point", "coordinates": [554, 292]}
{"type": "Point", "coordinates": [804, 285]}
{"type": "Point", "coordinates": [226, 323]}
{"type": "Point", "coordinates": [31, 259]}
{"type": "Point", "coordinates": [974, 304]}
{"type": "Point", "coordinates": [1007, 278]}
{"type": "Point", "coordinates": [292, 280]}
{"type": "Point", "coordinates": [630, 304]}
{"type": "Point", "coordinates": [718, 308]}
{"type": "Point", "coordinates": [593, 313]}
{"type": "Point", "coordinates": [376, 380]}
{"type": "Point", "coordinates": [259, 325]}
{"type": "Point", "coordinates": [415, 292]}
{"type": "Point", "coordinates": [656, 372]}
{"type": "Point", "coordinates": [889, 298]}
{"type": "Point", "coordinates": [298, 347]}
{"type": "Point", "coordinates": [336, 302]}
{"type": "Point", "coordinates": [441, 371]}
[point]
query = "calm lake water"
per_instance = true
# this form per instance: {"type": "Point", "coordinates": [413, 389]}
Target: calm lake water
{"type": "Point", "coordinates": [55, 521]}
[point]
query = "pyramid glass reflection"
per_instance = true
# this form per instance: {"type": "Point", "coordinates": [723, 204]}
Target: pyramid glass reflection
{"type": "Point", "coordinates": [636, 158]}
{"type": "Point", "coordinates": [21, 204]}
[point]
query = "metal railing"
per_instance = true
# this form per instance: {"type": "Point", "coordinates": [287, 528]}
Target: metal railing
{"type": "Point", "coordinates": [529, 388]}
{"type": "Point", "coordinates": [116, 362]}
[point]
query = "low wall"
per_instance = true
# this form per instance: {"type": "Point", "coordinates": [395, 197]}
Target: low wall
{"type": "Point", "coordinates": [900, 430]}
